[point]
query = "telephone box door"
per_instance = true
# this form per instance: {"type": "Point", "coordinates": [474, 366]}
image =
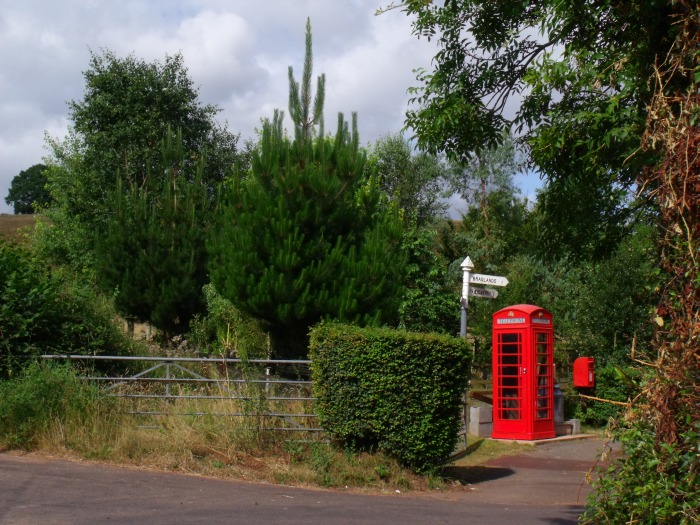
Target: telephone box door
{"type": "Point", "coordinates": [544, 384]}
{"type": "Point", "coordinates": [510, 382]}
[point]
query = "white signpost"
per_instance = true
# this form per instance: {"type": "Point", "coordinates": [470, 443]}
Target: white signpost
{"type": "Point", "coordinates": [474, 291]}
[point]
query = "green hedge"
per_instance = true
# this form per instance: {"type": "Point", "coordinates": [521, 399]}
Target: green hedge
{"type": "Point", "coordinates": [399, 392]}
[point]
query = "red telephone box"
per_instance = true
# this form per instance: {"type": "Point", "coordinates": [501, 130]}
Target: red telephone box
{"type": "Point", "coordinates": [523, 373]}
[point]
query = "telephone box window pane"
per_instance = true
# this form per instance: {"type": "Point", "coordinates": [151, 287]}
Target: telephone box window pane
{"type": "Point", "coordinates": [543, 407]}
{"type": "Point", "coordinates": [510, 393]}
{"type": "Point", "coordinates": [544, 373]}
{"type": "Point", "coordinates": [510, 360]}
{"type": "Point", "coordinates": [542, 346]}
{"type": "Point", "coordinates": [509, 407]}
{"type": "Point", "coordinates": [512, 404]}
{"type": "Point", "coordinates": [509, 381]}
{"type": "Point", "coordinates": [509, 371]}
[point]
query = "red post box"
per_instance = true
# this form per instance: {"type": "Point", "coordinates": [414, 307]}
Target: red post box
{"type": "Point", "coordinates": [584, 372]}
{"type": "Point", "coordinates": [523, 373]}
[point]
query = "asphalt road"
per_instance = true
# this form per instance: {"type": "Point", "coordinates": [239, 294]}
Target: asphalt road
{"type": "Point", "coordinates": [526, 489]}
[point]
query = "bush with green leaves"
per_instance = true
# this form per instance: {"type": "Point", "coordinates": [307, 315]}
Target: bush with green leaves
{"type": "Point", "coordinates": [39, 397]}
{"type": "Point", "coordinates": [430, 302]}
{"type": "Point", "coordinates": [48, 311]}
{"type": "Point", "coordinates": [225, 330]}
{"type": "Point", "coordinates": [612, 383]}
{"type": "Point", "coordinates": [394, 391]}
{"type": "Point", "coordinates": [127, 109]}
{"type": "Point", "coordinates": [651, 483]}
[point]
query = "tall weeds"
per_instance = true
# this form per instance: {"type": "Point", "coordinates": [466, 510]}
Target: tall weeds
{"type": "Point", "coordinates": [49, 403]}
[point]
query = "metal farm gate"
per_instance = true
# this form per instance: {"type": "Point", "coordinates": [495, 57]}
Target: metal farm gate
{"type": "Point", "coordinates": [275, 393]}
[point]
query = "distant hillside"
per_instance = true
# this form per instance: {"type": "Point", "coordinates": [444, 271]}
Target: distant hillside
{"type": "Point", "coordinates": [11, 226]}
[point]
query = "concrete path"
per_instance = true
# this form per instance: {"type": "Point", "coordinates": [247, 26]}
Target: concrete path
{"type": "Point", "coordinates": [541, 485]}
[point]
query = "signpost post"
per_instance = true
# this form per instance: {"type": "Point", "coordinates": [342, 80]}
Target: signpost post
{"type": "Point", "coordinates": [467, 266]}
{"type": "Point", "coordinates": [473, 291]}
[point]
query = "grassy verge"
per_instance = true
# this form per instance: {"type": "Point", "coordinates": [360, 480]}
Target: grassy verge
{"type": "Point", "coordinates": [49, 410]}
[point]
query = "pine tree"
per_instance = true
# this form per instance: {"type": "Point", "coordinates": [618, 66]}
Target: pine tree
{"type": "Point", "coordinates": [153, 256]}
{"type": "Point", "coordinates": [306, 236]}
{"type": "Point", "coordinates": [300, 96]}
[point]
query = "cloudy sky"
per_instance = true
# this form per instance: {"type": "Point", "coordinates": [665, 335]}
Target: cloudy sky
{"type": "Point", "coordinates": [236, 51]}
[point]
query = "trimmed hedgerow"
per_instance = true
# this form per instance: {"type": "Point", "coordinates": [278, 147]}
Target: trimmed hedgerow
{"type": "Point", "coordinates": [394, 391]}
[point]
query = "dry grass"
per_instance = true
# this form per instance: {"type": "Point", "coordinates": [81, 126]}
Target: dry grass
{"type": "Point", "coordinates": [228, 447]}
{"type": "Point", "coordinates": [15, 227]}
{"type": "Point", "coordinates": [224, 447]}
{"type": "Point", "coordinates": [202, 436]}
{"type": "Point", "coordinates": [187, 435]}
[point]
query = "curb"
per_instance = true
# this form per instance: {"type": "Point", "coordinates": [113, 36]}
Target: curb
{"type": "Point", "coordinates": [537, 442]}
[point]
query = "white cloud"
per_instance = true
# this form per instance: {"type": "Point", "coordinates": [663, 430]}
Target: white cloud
{"type": "Point", "coordinates": [236, 52]}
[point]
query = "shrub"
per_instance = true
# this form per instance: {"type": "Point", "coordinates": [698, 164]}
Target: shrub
{"type": "Point", "coordinates": [398, 392]}
{"type": "Point", "coordinates": [225, 330]}
{"type": "Point", "coordinates": [40, 396]}
{"type": "Point", "coordinates": [45, 311]}
{"type": "Point", "coordinates": [613, 384]}
{"type": "Point", "coordinates": [652, 483]}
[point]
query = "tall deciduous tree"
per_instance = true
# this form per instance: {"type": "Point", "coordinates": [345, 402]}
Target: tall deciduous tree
{"type": "Point", "coordinates": [28, 190]}
{"type": "Point", "coordinates": [581, 72]}
{"type": "Point", "coordinates": [414, 181]}
{"type": "Point", "coordinates": [305, 235]}
{"type": "Point", "coordinates": [490, 171]}
{"type": "Point", "coordinates": [117, 128]}
{"type": "Point", "coordinates": [596, 79]}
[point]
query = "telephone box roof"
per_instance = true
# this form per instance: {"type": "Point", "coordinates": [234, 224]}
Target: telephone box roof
{"type": "Point", "coordinates": [528, 309]}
